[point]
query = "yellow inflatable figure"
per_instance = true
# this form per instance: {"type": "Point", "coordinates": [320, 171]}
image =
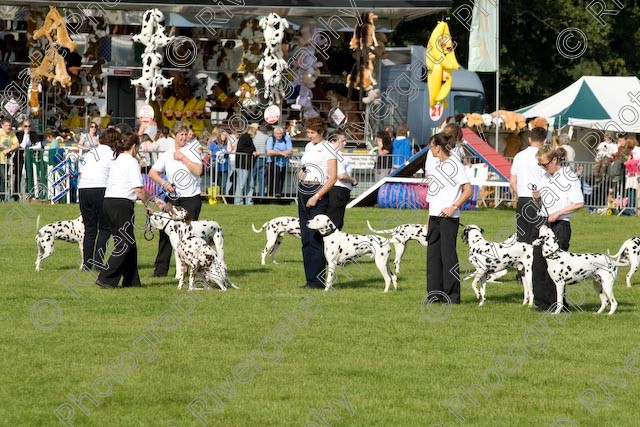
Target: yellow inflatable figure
{"type": "Point", "coordinates": [168, 118]}
{"type": "Point", "coordinates": [441, 61]}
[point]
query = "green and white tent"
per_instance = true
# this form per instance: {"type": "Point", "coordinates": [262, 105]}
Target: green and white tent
{"type": "Point", "coordinates": [605, 102]}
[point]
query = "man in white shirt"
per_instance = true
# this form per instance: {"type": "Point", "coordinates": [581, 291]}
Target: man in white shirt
{"type": "Point", "coordinates": [526, 176]}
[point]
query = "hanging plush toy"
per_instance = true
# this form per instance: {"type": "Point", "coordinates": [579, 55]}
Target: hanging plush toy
{"type": "Point", "coordinates": [153, 37]}
{"type": "Point", "coordinates": [307, 70]}
{"type": "Point", "coordinates": [272, 65]}
{"type": "Point", "coordinates": [440, 61]}
{"type": "Point", "coordinates": [364, 44]}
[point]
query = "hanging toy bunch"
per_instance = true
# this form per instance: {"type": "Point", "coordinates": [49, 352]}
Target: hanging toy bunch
{"type": "Point", "coordinates": [51, 65]}
{"type": "Point", "coordinates": [307, 70]}
{"type": "Point", "coordinates": [272, 65]}
{"type": "Point", "coordinates": [364, 45]}
{"type": "Point", "coordinates": [153, 37]}
{"type": "Point", "coordinates": [251, 36]}
{"type": "Point", "coordinates": [441, 61]}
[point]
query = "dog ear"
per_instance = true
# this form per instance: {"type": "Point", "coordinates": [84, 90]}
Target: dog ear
{"type": "Point", "coordinates": [482, 230]}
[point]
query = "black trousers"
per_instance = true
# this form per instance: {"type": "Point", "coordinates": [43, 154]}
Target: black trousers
{"type": "Point", "coordinates": [95, 226]}
{"type": "Point", "coordinates": [312, 245]}
{"type": "Point", "coordinates": [123, 261]}
{"type": "Point", "coordinates": [18, 166]}
{"type": "Point", "coordinates": [527, 220]}
{"type": "Point", "coordinates": [193, 205]}
{"type": "Point", "coordinates": [338, 200]}
{"type": "Point", "coordinates": [544, 288]}
{"type": "Point", "coordinates": [276, 175]}
{"type": "Point", "coordinates": [443, 272]}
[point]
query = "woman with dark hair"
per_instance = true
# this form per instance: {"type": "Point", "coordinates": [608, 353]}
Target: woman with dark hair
{"type": "Point", "coordinates": [318, 172]}
{"type": "Point", "coordinates": [245, 154]}
{"type": "Point", "coordinates": [92, 183]}
{"type": "Point", "coordinates": [384, 160]}
{"type": "Point", "coordinates": [448, 189]}
{"type": "Point", "coordinates": [124, 186]}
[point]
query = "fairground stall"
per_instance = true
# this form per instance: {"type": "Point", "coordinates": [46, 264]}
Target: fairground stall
{"type": "Point", "coordinates": [213, 66]}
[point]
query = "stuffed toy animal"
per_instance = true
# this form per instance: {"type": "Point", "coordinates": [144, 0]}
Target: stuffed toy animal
{"type": "Point", "coordinates": [473, 120]}
{"type": "Point", "coordinates": [487, 120]}
{"type": "Point", "coordinates": [272, 65]}
{"type": "Point", "coordinates": [364, 33]}
{"type": "Point", "coordinates": [96, 76]}
{"type": "Point", "coordinates": [55, 23]}
{"type": "Point", "coordinates": [373, 96]}
{"type": "Point", "coordinates": [539, 122]}
{"type": "Point", "coordinates": [513, 145]}
{"type": "Point", "coordinates": [440, 61]}
{"type": "Point", "coordinates": [153, 37]}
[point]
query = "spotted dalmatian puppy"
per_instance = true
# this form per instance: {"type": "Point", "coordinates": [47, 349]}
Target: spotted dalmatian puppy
{"type": "Point", "coordinates": [400, 235]}
{"type": "Point", "coordinates": [210, 231]}
{"type": "Point", "coordinates": [566, 268]}
{"type": "Point", "coordinates": [492, 257]}
{"type": "Point", "coordinates": [630, 250]}
{"type": "Point", "coordinates": [340, 247]}
{"type": "Point", "coordinates": [276, 228]}
{"type": "Point", "coordinates": [71, 231]}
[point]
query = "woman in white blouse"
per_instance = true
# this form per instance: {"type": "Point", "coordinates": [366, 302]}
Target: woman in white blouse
{"type": "Point", "coordinates": [124, 187]}
{"type": "Point", "coordinates": [182, 165]}
{"type": "Point", "coordinates": [91, 139]}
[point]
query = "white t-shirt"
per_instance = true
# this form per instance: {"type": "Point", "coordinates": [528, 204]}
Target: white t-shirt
{"type": "Point", "coordinates": [163, 144]}
{"type": "Point", "coordinates": [94, 167]}
{"type": "Point", "coordinates": [185, 183]}
{"type": "Point", "coordinates": [124, 176]}
{"type": "Point", "coordinates": [344, 167]}
{"type": "Point", "coordinates": [445, 181]}
{"type": "Point", "coordinates": [559, 191]}
{"type": "Point", "coordinates": [525, 168]}
{"type": "Point", "coordinates": [635, 153]}
{"type": "Point", "coordinates": [456, 152]}
{"type": "Point", "coordinates": [571, 153]}
{"type": "Point", "coordinates": [314, 161]}
{"type": "Point", "coordinates": [260, 142]}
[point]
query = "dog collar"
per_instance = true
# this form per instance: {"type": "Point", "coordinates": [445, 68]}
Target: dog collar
{"type": "Point", "coordinates": [330, 233]}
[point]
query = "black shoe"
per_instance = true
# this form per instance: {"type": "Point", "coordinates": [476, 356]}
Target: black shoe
{"type": "Point", "coordinates": [104, 285]}
{"type": "Point", "coordinates": [541, 308]}
{"type": "Point", "coordinates": [132, 286]}
{"type": "Point", "coordinates": [159, 274]}
{"type": "Point", "coordinates": [308, 286]}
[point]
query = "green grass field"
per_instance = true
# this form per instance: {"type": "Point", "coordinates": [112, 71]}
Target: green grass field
{"type": "Point", "coordinates": [274, 354]}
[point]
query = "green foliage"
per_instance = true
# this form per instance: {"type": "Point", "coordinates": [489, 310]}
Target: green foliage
{"type": "Point", "coordinates": [394, 366]}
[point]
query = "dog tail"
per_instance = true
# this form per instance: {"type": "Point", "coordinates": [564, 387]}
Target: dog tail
{"type": "Point", "coordinates": [616, 257]}
{"type": "Point", "coordinates": [255, 230]}
{"type": "Point", "coordinates": [38, 224]}
{"type": "Point", "coordinates": [377, 231]}
{"type": "Point", "coordinates": [620, 254]}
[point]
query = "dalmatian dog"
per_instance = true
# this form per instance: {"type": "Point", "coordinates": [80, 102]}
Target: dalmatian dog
{"type": "Point", "coordinates": [630, 250]}
{"type": "Point", "coordinates": [400, 235]}
{"type": "Point", "coordinates": [71, 231]}
{"type": "Point", "coordinates": [276, 228]}
{"type": "Point", "coordinates": [209, 231]}
{"type": "Point", "coordinates": [150, 19]}
{"type": "Point", "coordinates": [492, 257]}
{"type": "Point", "coordinates": [566, 268]}
{"type": "Point", "coordinates": [195, 254]}
{"type": "Point", "coordinates": [340, 248]}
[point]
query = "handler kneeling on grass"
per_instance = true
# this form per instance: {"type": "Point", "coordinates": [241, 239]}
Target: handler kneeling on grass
{"type": "Point", "coordinates": [448, 189]}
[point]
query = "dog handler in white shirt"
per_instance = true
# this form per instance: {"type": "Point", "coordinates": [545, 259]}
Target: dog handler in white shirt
{"type": "Point", "coordinates": [124, 186]}
{"type": "Point", "coordinates": [526, 175]}
{"type": "Point", "coordinates": [448, 189]}
{"type": "Point", "coordinates": [559, 196]}
{"type": "Point", "coordinates": [318, 172]}
{"type": "Point", "coordinates": [183, 167]}
{"type": "Point", "coordinates": [340, 193]}
{"type": "Point", "coordinates": [92, 183]}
